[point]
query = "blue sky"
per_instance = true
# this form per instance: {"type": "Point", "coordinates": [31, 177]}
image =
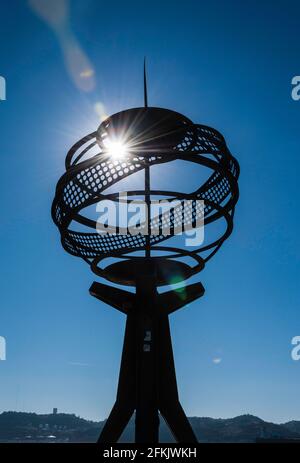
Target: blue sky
{"type": "Point", "coordinates": [225, 64]}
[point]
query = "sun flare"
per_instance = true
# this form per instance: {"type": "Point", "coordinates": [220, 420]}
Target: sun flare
{"type": "Point", "coordinates": [116, 149]}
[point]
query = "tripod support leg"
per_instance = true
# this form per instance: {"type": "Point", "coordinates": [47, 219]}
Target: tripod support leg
{"type": "Point", "coordinates": [169, 405]}
{"type": "Point", "coordinates": [125, 403]}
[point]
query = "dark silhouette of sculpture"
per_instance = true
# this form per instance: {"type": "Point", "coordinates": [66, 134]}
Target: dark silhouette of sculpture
{"type": "Point", "coordinates": [154, 136]}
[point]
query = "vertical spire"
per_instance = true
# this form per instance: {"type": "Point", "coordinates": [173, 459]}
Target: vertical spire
{"type": "Point", "coordinates": [145, 85]}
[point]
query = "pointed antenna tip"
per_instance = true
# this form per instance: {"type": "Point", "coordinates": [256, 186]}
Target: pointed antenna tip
{"type": "Point", "coordinates": [145, 85]}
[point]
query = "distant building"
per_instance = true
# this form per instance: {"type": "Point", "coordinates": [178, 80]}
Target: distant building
{"type": "Point", "coordinates": [54, 411]}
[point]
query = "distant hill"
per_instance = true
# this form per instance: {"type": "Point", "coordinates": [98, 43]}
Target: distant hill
{"type": "Point", "coordinates": [62, 427]}
{"type": "Point", "coordinates": [293, 426]}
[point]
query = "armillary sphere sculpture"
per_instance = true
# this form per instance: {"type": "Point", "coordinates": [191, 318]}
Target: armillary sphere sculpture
{"type": "Point", "coordinates": [131, 142]}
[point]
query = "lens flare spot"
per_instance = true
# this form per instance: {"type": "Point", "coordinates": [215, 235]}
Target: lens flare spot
{"type": "Point", "coordinates": [217, 360]}
{"type": "Point", "coordinates": [180, 291]}
{"type": "Point", "coordinates": [100, 111]}
{"type": "Point", "coordinates": [56, 15]}
{"type": "Point", "coordinates": [87, 73]}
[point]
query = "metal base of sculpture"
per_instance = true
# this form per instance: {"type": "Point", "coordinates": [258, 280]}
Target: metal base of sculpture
{"type": "Point", "coordinates": [147, 380]}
